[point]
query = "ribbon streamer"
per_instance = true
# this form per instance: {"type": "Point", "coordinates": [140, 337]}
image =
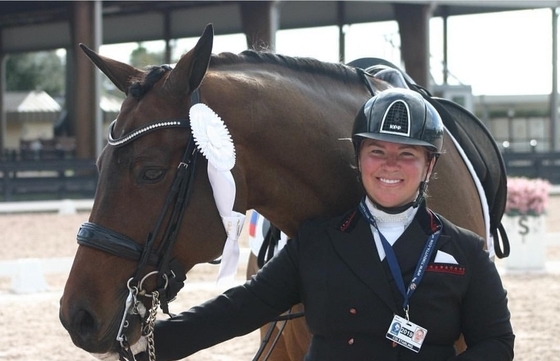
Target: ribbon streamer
{"type": "Point", "coordinates": [214, 142]}
{"type": "Point", "coordinates": [223, 186]}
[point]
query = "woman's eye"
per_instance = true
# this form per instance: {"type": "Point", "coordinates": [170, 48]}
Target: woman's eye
{"type": "Point", "coordinates": [153, 174]}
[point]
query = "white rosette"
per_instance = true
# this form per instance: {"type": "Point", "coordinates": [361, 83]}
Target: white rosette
{"type": "Point", "coordinates": [212, 137]}
{"type": "Point", "coordinates": [214, 142]}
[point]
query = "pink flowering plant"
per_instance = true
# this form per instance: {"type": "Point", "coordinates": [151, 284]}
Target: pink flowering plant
{"type": "Point", "coordinates": [527, 196]}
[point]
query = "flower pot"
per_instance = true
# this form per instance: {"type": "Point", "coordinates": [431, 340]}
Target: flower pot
{"type": "Point", "coordinates": [527, 240]}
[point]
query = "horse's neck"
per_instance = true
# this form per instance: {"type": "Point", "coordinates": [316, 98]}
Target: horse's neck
{"type": "Point", "coordinates": [287, 134]}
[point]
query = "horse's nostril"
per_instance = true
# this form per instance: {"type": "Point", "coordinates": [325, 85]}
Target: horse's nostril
{"type": "Point", "coordinates": [82, 327]}
{"type": "Point", "coordinates": [85, 328]}
{"type": "Point", "coordinates": [84, 324]}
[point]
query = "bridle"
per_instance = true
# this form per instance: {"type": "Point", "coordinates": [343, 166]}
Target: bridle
{"type": "Point", "coordinates": [170, 274]}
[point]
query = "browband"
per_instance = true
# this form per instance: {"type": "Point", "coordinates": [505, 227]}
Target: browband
{"type": "Point", "coordinates": [118, 142]}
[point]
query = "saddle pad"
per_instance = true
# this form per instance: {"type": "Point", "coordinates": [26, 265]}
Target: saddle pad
{"type": "Point", "coordinates": [481, 149]}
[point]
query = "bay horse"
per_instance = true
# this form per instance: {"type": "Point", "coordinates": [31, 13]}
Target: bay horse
{"type": "Point", "coordinates": [154, 215]}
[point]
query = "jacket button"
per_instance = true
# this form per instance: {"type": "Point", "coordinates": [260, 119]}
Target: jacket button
{"type": "Point", "coordinates": [394, 344]}
{"type": "Point", "coordinates": [351, 341]}
{"type": "Point", "coordinates": [353, 311]}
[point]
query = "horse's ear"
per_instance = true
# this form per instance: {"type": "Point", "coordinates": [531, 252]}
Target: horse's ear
{"type": "Point", "coordinates": [119, 73]}
{"type": "Point", "coordinates": [191, 68]}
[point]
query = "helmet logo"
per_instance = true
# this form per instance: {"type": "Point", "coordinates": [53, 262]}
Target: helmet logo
{"type": "Point", "coordinates": [396, 119]}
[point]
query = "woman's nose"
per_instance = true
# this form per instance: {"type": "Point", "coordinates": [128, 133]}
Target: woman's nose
{"type": "Point", "coordinates": [391, 160]}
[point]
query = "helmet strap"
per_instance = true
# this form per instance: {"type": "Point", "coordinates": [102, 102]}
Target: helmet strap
{"type": "Point", "coordinates": [421, 191]}
{"type": "Point", "coordinates": [424, 184]}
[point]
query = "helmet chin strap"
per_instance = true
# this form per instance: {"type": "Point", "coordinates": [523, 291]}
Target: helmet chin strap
{"type": "Point", "coordinates": [421, 191]}
{"type": "Point", "coordinates": [424, 184]}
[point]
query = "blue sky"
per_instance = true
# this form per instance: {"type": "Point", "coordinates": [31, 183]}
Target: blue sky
{"type": "Point", "coordinates": [507, 53]}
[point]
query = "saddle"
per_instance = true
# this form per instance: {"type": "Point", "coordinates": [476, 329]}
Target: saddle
{"type": "Point", "coordinates": [471, 135]}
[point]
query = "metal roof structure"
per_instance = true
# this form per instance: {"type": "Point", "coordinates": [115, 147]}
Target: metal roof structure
{"type": "Point", "coordinates": [30, 106]}
{"type": "Point", "coordinates": [27, 26]}
{"type": "Point", "coordinates": [33, 25]}
{"type": "Point", "coordinates": [33, 101]}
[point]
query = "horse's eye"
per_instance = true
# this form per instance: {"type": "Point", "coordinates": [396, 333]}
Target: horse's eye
{"type": "Point", "coordinates": [153, 174]}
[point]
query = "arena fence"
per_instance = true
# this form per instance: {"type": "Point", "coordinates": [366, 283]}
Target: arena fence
{"type": "Point", "coordinates": [47, 179]}
{"type": "Point", "coordinates": [55, 179]}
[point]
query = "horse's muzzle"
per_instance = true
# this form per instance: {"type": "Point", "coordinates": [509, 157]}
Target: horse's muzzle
{"type": "Point", "coordinates": [90, 333]}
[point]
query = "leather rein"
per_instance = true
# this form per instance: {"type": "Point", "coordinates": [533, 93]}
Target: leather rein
{"type": "Point", "coordinates": [170, 274]}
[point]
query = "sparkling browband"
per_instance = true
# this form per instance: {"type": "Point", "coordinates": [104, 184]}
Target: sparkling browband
{"type": "Point", "coordinates": [141, 131]}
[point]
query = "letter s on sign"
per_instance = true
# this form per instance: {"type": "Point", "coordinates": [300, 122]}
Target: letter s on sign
{"type": "Point", "coordinates": [524, 228]}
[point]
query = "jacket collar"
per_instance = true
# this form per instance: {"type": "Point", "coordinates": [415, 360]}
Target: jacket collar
{"type": "Point", "coordinates": [353, 241]}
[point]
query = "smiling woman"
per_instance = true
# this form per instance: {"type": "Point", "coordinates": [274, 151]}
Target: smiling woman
{"type": "Point", "coordinates": [398, 138]}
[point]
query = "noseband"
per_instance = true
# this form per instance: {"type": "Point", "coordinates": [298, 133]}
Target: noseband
{"type": "Point", "coordinates": [170, 274]}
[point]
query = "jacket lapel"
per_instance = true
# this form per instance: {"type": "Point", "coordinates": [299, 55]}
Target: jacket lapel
{"type": "Point", "coordinates": [357, 249]}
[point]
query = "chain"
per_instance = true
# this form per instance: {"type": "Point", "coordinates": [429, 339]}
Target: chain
{"type": "Point", "coordinates": [148, 330]}
{"type": "Point", "coordinates": [133, 306]}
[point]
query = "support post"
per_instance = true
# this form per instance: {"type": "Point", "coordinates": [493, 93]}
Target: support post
{"type": "Point", "coordinates": [82, 113]}
{"type": "Point", "coordinates": [341, 20]}
{"type": "Point", "coordinates": [98, 112]}
{"type": "Point", "coordinates": [260, 21]}
{"type": "Point", "coordinates": [414, 28]}
{"type": "Point", "coordinates": [445, 47]}
{"type": "Point", "coordinates": [3, 125]}
{"type": "Point", "coordinates": [554, 128]}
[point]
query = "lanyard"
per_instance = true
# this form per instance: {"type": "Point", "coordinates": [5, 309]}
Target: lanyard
{"type": "Point", "coordinates": [393, 262]}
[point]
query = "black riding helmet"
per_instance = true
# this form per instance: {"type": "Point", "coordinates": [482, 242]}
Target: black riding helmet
{"type": "Point", "coordinates": [399, 116]}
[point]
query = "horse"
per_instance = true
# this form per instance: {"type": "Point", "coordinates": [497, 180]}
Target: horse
{"type": "Point", "coordinates": [155, 216]}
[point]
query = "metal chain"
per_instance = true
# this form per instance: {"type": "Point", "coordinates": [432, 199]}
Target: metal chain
{"type": "Point", "coordinates": [148, 330]}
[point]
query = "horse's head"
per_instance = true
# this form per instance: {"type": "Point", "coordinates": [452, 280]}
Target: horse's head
{"type": "Point", "coordinates": [153, 189]}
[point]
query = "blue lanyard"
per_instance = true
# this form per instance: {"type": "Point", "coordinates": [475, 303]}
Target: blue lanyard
{"type": "Point", "coordinates": [393, 262]}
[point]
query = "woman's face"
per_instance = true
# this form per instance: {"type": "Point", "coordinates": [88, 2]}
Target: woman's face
{"type": "Point", "coordinates": [391, 172]}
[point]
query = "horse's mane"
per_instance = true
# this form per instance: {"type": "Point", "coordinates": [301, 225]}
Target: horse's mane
{"type": "Point", "coordinates": [341, 72]}
{"type": "Point", "coordinates": [308, 65]}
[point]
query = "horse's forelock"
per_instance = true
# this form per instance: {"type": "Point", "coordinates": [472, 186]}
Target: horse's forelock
{"type": "Point", "coordinates": [139, 87]}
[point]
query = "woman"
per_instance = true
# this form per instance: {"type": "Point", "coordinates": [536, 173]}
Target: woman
{"type": "Point", "coordinates": [389, 261]}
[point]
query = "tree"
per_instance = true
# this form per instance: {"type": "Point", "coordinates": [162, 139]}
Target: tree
{"type": "Point", "coordinates": [141, 57]}
{"type": "Point", "coordinates": [36, 71]}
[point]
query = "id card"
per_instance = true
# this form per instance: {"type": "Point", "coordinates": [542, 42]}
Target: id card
{"type": "Point", "coordinates": [406, 333]}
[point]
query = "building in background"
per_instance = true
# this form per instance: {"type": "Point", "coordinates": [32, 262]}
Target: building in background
{"type": "Point", "coordinates": [519, 123]}
{"type": "Point", "coordinates": [30, 116]}
{"type": "Point", "coordinates": [32, 119]}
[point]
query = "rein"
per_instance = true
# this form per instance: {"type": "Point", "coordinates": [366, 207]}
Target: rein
{"type": "Point", "coordinates": [170, 274]}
